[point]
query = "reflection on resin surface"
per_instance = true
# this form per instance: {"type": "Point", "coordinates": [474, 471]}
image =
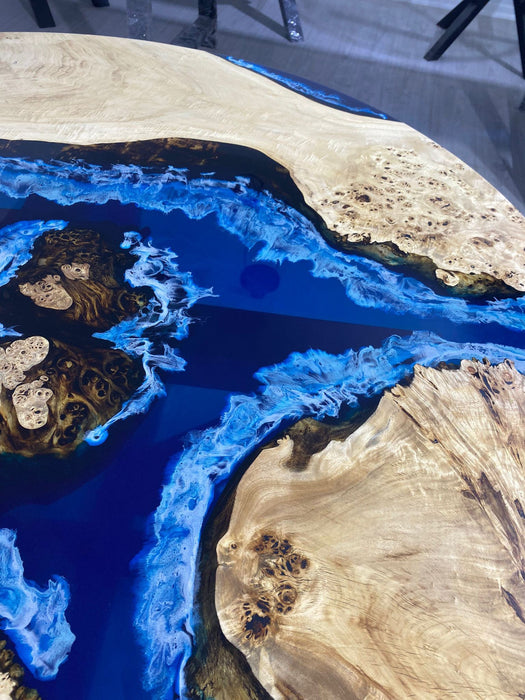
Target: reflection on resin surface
{"type": "Point", "coordinates": [170, 309]}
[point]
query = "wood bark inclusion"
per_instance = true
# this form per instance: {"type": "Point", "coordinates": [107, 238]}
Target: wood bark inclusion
{"type": "Point", "coordinates": [390, 564]}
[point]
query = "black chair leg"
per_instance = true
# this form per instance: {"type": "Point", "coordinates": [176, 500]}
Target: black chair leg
{"type": "Point", "coordinates": [42, 13]}
{"type": "Point", "coordinates": [208, 8]}
{"type": "Point", "coordinates": [100, 3]}
{"type": "Point", "coordinates": [203, 32]}
{"type": "Point", "coordinates": [447, 20]}
{"type": "Point", "coordinates": [291, 20]}
{"type": "Point", "coordinates": [455, 22]}
{"type": "Point", "coordinates": [519, 8]}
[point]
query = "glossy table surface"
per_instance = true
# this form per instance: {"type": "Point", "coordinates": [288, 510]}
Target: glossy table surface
{"type": "Point", "coordinates": [201, 259]}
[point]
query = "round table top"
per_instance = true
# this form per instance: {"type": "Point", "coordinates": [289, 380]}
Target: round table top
{"type": "Point", "coordinates": [261, 389]}
{"type": "Point", "coordinates": [90, 89]}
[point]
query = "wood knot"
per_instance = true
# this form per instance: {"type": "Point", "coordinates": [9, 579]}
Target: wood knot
{"type": "Point", "coordinates": [274, 589]}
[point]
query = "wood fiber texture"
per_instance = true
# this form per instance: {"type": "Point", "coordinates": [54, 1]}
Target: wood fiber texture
{"type": "Point", "coordinates": [373, 182]}
{"type": "Point", "coordinates": [392, 563]}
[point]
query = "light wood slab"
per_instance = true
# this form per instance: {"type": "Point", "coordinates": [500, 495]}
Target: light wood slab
{"type": "Point", "coordinates": [390, 564]}
{"type": "Point", "coordinates": [372, 181]}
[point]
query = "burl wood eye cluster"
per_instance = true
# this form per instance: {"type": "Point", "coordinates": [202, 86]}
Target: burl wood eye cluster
{"type": "Point", "coordinates": [273, 591]}
{"type": "Point", "coordinates": [52, 393]}
{"type": "Point", "coordinates": [56, 388]}
{"type": "Point", "coordinates": [414, 527]}
{"type": "Point", "coordinates": [77, 276]}
{"type": "Point", "coordinates": [404, 209]}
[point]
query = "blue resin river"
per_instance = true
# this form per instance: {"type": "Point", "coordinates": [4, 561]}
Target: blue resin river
{"type": "Point", "coordinates": [274, 325]}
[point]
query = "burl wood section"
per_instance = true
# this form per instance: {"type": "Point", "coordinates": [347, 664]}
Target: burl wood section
{"type": "Point", "coordinates": [52, 393]}
{"type": "Point", "coordinates": [74, 279]}
{"type": "Point", "coordinates": [373, 182]}
{"type": "Point", "coordinates": [390, 564]}
{"type": "Point", "coordinates": [12, 676]}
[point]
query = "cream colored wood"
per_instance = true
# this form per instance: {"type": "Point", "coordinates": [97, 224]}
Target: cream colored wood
{"type": "Point", "coordinates": [86, 90]}
{"type": "Point", "coordinates": [390, 564]}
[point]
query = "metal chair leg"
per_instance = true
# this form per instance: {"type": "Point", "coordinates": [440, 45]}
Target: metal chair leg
{"type": "Point", "coordinates": [203, 32]}
{"type": "Point", "coordinates": [447, 20]}
{"type": "Point", "coordinates": [291, 20]}
{"type": "Point", "coordinates": [519, 8]}
{"type": "Point", "coordinates": [456, 21]}
{"type": "Point", "coordinates": [208, 8]}
{"type": "Point", "coordinates": [42, 13]}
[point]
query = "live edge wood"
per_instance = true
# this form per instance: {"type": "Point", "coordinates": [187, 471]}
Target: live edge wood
{"type": "Point", "coordinates": [390, 564]}
{"type": "Point", "coordinates": [377, 184]}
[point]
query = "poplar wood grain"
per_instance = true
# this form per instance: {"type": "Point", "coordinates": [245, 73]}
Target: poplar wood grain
{"type": "Point", "coordinates": [389, 564]}
{"type": "Point", "coordinates": [377, 184]}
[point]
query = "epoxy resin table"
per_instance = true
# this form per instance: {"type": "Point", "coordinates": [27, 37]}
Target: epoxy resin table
{"type": "Point", "coordinates": [261, 390]}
